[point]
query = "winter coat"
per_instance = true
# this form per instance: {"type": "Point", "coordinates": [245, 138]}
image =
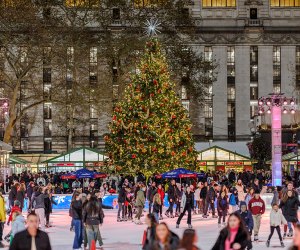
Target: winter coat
{"type": "Point", "coordinates": [2, 209]}
{"type": "Point", "coordinates": [256, 206]}
{"type": "Point", "coordinates": [18, 225]}
{"type": "Point", "coordinates": [277, 218]}
{"type": "Point", "coordinates": [172, 193]}
{"type": "Point", "coordinates": [233, 200]}
{"type": "Point", "coordinates": [29, 191]}
{"type": "Point", "coordinates": [173, 243]}
{"type": "Point", "coordinates": [76, 207]}
{"type": "Point", "coordinates": [222, 205]}
{"type": "Point", "coordinates": [93, 219]}
{"type": "Point", "coordinates": [122, 195]}
{"type": "Point", "coordinates": [241, 194]}
{"type": "Point", "coordinates": [187, 200]}
{"type": "Point", "coordinates": [162, 194]}
{"type": "Point", "coordinates": [20, 197]}
{"type": "Point", "coordinates": [290, 209]}
{"type": "Point", "coordinates": [150, 194]}
{"type": "Point", "coordinates": [211, 195]}
{"type": "Point", "coordinates": [13, 193]}
{"type": "Point", "coordinates": [38, 200]}
{"type": "Point", "coordinates": [247, 218]}
{"type": "Point", "coordinates": [248, 197]}
{"type": "Point", "coordinates": [13, 209]}
{"type": "Point", "coordinates": [140, 198]}
{"type": "Point", "coordinates": [203, 193]}
{"type": "Point", "coordinates": [240, 238]}
{"type": "Point", "coordinates": [197, 194]}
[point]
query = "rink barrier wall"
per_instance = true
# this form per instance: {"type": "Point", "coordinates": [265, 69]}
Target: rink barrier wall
{"type": "Point", "coordinates": [64, 200]}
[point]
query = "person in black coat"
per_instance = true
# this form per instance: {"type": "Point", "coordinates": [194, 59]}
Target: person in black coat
{"type": "Point", "coordinates": [24, 239]}
{"type": "Point", "coordinates": [222, 207]}
{"type": "Point", "coordinates": [121, 203]}
{"type": "Point", "coordinates": [150, 232]}
{"type": "Point", "coordinates": [150, 194]}
{"type": "Point", "coordinates": [13, 194]}
{"type": "Point", "coordinates": [210, 201]}
{"type": "Point", "coordinates": [235, 227]}
{"type": "Point", "coordinates": [172, 198]}
{"type": "Point", "coordinates": [187, 204]}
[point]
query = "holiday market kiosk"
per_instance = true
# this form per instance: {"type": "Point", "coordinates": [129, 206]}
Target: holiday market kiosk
{"type": "Point", "coordinates": [220, 159]}
{"type": "Point", "coordinates": [76, 159]}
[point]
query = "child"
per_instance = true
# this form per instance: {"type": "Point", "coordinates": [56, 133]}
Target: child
{"type": "Point", "coordinates": [16, 208]}
{"type": "Point", "coordinates": [222, 207]}
{"type": "Point", "coordinates": [276, 219]}
{"type": "Point", "coordinates": [248, 220]}
{"type": "Point", "coordinates": [234, 200]}
{"type": "Point", "coordinates": [17, 225]}
{"type": "Point", "coordinates": [156, 206]}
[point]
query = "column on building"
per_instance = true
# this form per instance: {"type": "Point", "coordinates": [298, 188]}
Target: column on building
{"type": "Point", "coordinates": [265, 67]}
{"type": "Point", "coordinates": [220, 125]}
{"type": "Point", "coordinates": [288, 59]}
{"type": "Point", "coordinates": [242, 82]}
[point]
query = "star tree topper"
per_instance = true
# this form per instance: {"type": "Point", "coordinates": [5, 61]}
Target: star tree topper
{"type": "Point", "coordinates": [152, 27]}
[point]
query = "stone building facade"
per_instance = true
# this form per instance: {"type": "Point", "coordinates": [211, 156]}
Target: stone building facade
{"type": "Point", "coordinates": [256, 44]}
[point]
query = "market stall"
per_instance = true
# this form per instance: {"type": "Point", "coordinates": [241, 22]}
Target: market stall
{"type": "Point", "coordinates": [76, 159]}
{"type": "Point", "coordinates": [220, 159]}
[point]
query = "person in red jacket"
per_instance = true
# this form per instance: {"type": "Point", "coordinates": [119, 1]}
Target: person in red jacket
{"type": "Point", "coordinates": [161, 192]}
{"type": "Point", "coordinates": [257, 208]}
{"type": "Point", "coordinates": [16, 207]}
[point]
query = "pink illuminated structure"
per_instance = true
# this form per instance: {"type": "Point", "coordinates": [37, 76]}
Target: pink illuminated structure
{"type": "Point", "coordinates": [275, 103]}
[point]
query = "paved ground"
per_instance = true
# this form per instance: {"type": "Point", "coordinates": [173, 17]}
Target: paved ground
{"type": "Point", "coordinates": [128, 236]}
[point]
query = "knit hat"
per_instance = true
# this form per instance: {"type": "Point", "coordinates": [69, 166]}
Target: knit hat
{"type": "Point", "coordinates": [243, 203]}
{"type": "Point", "coordinates": [256, 192]}
{"type": "Point", "coordinates": [17, 203]}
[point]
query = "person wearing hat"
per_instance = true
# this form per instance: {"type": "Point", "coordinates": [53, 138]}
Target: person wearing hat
{"type": "Point", "coordinates": [257, 207]}
{"type": "Point", "coordinates": [247, 218]}
{"type": "Point", "coordinates": [16, 207]}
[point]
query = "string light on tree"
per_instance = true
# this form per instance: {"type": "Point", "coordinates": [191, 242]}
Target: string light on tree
{"type": "Point", "coordinates": [152, 27]}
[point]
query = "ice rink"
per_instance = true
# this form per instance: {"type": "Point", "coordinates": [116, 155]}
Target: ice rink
{"type": "Point", "coordinates": [128, 236]}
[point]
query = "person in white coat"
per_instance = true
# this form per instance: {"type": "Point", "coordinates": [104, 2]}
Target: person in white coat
{"type": "Point", "coordinates": [197, 209]}
{"type": "Point", "coordinates": [276, 219]}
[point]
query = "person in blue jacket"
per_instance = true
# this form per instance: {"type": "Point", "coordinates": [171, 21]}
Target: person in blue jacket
{"type": "Point", "coordinates": [248, 220]}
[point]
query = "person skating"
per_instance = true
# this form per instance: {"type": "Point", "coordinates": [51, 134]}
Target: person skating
{"type": "Point", "coordinates": [121, 203]}
{"type": "Point", "coordinates": [247, 219]}
{"type": "Point", "coordinates": [276, 219]}
{"type": "Point", "coordinates": [140, 203]}
{"type": "Point", "coordinates": [76, 206]}
{"type": "Point", "coordinates": [161, 193]}
{"type": "Point", "coordinates": [234, 235]}
{"type": "Point", "coordinates": [2, 218]}
{"type": "Point", "coordinates": [156, 206]}
{"type": "Point", "coordinates": [150, 231]}
{"type": "Point", "coordinates": [172, 198]}
{"type": "Point", "coordinates": [222, 207]}
{"type": "Point", "coordinates": [179, 193]}
{"type": "Point", "coordinates": [234, 200]}
{"type": "Point", "coordinates": [150, 194]}
{"type": "Point", "coordinates": [197, 199]}
{"type": "Point", "coordinates": [210, 201]}
{"type": "Point", "coordinates": [289, 205]}
{"type": "Point", "coordinates": [187, 205]}
{"type": "Point", "coordinates": [257, 207]}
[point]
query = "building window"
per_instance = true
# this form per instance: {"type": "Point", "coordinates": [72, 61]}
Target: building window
{"type": "Point", "coordinates": [231, 93]}
{"type": "Point", "coordinates": [253, 93]}
{"type": "Point", "coordinates": [231, 110]}
{"type": "Point", "coordinates": [253, 111]}
{"type": "Point", "coordinates": [93, 112]}
{"type": "Point", "coordinates": [116, 14]}
{"type": "Point", "coordinates": [46, 75]}
{"type": "Point", "coordinates": [115, 92]}
{"type": "Point", "coordinates": [47, 111]}
{"type": "Point", "coordinates": [253, 63]}
{"type": "Point", "coordinates": [208, 53]}
{"type": "Point", "coordinates": [298, 66]}
{"type": "Point", "coordinates": [183, 93]}
{"type": "Point", "coordinates": [93, 56]}
{"type": "Point", "coordinates": [208, 110]}
{"type": "Point", "coordinates": [46, 55]}
{"type": "Point", "coordinates": [285, 3]}
{"type": "Point", "coordinates": [24, 144]}
{"type": "Point", "coordinates": [218, 3]}
{"type": "Point", "coordinates": [23, 54]}
{"type": "Point", "coordinates": [47, 129]}
{"type": "Point", "coordinates": [48, 144]}
{"type": "Point", "coordinates": [82, 3]}
{"type": "Point", "coordinates": [276, 65]}
{"type": "Point", "coordinates": [70, 55]}
{"type": "Point", "coordinates": [230, 61]}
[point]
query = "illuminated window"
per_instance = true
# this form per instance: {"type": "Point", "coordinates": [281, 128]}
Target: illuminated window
{"type": "Point", "coordinates": [82, 3]}
{"type": "Point", "coordinates": [219, 3]}
{"type": "Point", "coordinates": [285, 3]}
{"type": "Point", "coordinates": [148, 3]}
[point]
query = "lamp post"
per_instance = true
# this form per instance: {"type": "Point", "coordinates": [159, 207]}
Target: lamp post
{"type": "Point", "coordinates": [275, 104]}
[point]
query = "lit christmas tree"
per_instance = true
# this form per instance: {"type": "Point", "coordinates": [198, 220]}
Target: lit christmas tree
{"type": "Point", "coordinates": [150, 129]}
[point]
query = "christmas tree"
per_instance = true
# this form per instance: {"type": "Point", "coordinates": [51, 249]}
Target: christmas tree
{"type": "Point", "coordinates": [150, 129]}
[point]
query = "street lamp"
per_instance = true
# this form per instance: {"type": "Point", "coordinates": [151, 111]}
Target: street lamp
{"type": "Point", "coordinates": [275, 104]}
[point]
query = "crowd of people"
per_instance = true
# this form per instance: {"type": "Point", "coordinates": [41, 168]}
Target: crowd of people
{"type": "Point", "coordinates": [232, 198]}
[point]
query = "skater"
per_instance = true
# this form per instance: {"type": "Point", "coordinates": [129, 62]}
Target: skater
{"type": "Point", "coordinates": [179, 193]}
{"type": "Point", "coordinates": [240, 189]}
{"type": "Point", "coordinates": [76, 206]}
{"type": "Point", "coordinates": [203, 193]}
{"type": "Point", "coordinates": [187, 204]}
{"type": "Point", "coordinates": [257, 207]}
{"type": "Point", "coordinates": [139, 204]}
{"type": "Point", "coordinates": [150, 194]}
{"type": "Point", "coordinates": [222, 207]}
{"type": "Point", "coordinates": [234, 235]}
{"type": "Point", "coordinates": [234, 201]}
{"type": "Point", "coordinates": [2, 217]}
{"type": "Point", "coordinates": [17, 225]}
{"type": "Point", "coordinates": [161, 192]}
{"type": "Point", "coordinates": [210, 201]}
{"type": "Point", "coordinates": [276, 219]}
{"type": "Point", "coordinates": [121, 203]}
{"type": "Point", "coordinates": [289, 205]}
{"type": "Point", "coordinates": [171, 198]}
{"type": "Point", "coordinates": [197, 199]}
{"type": "Point", "coordinates": [156, 206]}
{"type": "Point", "coordinates": [248, 221]}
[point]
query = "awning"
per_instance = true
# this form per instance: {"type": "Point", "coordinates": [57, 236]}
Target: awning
{"type": "Point", "coordinates": [17, 160]}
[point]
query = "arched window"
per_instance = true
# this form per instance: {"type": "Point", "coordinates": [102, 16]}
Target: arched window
{"type": "Point", "coordinates": [285, 3]}
{"type": "Point", "coordinates": [218, 3]}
